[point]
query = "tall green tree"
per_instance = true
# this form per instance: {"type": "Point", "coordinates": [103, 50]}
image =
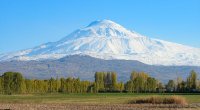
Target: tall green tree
{"type": "Point", "coordinates": [99, 80]}
{"type": "Point", "coordinates": [151, 84]}
{"type": "Point", "coordinates": [1, 86]}
{"type": "Point", "coordinates": [114, 81]}
{"type": "Point", "coordinates": [129, 86]}
{"type": "Point", "coordinates": [192, 80]}
{"type": "Point", "coordinates": [170, 86]}
{"type": "Point", "coordinates": [120, 86]}
{"type": "Point", "coordinates": [62, 84]}
{"type": "Point", "coordinates": [13, 83]}
{"type": "Point", "coordinates": [134, 74]}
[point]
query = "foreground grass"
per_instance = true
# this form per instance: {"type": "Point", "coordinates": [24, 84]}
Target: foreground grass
{"type": "Point", "coordinates": [100, 98]}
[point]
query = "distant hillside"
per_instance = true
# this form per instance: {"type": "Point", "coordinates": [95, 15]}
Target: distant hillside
{"type": "Point", "coordinates": [85, 67]}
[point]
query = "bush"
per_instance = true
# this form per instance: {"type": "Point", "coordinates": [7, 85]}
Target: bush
{"type": "Point", "coordinates": [160, 100]}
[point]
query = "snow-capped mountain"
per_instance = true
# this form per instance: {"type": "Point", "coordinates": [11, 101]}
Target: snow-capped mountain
{"type": "Point", "coordinates": [106, 39]}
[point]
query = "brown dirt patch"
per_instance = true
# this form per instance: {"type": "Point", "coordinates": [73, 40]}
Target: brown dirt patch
{"type": "Point", "coordinates": [18, 106]}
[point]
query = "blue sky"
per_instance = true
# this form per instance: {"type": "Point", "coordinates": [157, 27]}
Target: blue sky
{"type": "Point", "coordinates": [28, 23]}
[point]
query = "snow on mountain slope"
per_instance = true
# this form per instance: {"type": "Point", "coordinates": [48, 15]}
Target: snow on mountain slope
{"type": "Point", "coordinates": [107, 40]}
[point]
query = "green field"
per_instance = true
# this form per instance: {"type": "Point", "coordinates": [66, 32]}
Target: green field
{"type": "Point", "coordinates": [100, 98]}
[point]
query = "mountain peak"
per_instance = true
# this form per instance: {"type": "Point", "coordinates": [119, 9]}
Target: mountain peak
{"type": "Point", "coordinates": [108, 29]}
{"type": "Point", "coordinates": [102, 22]}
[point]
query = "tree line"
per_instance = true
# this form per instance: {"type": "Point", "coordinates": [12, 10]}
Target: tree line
{"type": "Point", "coordinates": [15, 83]}
{"type": "Point", "coordinates": [191, 84]}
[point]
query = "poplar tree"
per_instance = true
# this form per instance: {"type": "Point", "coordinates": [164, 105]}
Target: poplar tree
{"type": "Point", "coordinates": [114, 81]}
{"type": "Point", "coordinates": [192, 80]}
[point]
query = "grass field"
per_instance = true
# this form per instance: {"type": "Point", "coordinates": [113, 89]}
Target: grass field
{"type": "Point", "coordinates": [100, 101]}
{"type": "Point", "coordinates": [100, 98]}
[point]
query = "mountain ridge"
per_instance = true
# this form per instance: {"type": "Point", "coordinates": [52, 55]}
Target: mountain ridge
{"type": "Point", "coordinates": [87, 66]}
